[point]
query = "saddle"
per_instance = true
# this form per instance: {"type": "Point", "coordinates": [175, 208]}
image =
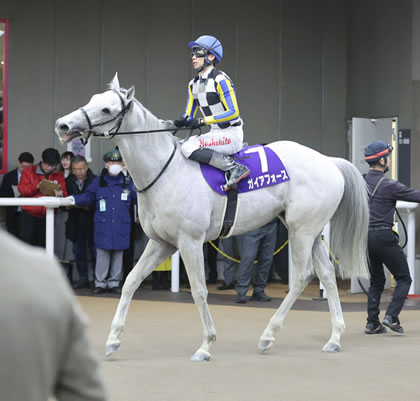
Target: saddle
{"type": "Point", "coordinates": [266, 170]}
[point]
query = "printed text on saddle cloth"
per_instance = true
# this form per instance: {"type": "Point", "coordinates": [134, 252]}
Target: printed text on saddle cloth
{"type": "Point", "coordinates": [266, 170]}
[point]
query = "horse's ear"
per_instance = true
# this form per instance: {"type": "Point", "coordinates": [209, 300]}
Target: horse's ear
{"type": "Point", "coordinates": [130, 94]}
{"type": "Point", "coordinates": [115, 84]}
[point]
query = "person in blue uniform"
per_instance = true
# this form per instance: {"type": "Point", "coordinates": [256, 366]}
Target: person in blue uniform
{"type": "Point", "coordinates": [213, 92]}
{"type": "Point", "coordinates": [112, 193]}
{"type": "Point", "coordinates": [383, 245]}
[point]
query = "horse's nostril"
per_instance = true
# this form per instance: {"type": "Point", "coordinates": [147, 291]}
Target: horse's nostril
{"type": "Point", "coordinates": [63, 127]}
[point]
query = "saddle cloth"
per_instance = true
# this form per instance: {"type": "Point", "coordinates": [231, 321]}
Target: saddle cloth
{"type": "Point", "coordinates": [266, 170]}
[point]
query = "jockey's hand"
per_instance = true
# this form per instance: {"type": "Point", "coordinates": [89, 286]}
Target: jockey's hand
{"type": "Point", "coordinates": [196, 123]}
{"type": "Point", "coordinates": [180, 122]}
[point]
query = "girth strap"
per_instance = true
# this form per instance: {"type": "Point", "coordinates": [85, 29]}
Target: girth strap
{"type": "Point", "coordinates": [230, 214]}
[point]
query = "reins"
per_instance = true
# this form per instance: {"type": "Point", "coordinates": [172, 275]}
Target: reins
{"type": "Point", "coordinates": [109, 135]}
{"type": "Point", "coordinates": [159, 175]}
{"type": "Point", "coordinates": [119, 117]}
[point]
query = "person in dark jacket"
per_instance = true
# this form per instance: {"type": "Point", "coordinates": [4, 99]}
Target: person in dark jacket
{"type": "Point", "coordinates": [258, 244]}
{"type": "Point", "coordinates": [9, 189]}
{"type": "Point", "coordinates": [112, 193]}
{"type": "Point", "coordinates": [383, 246]}
{"type": "Point", "coordinates": [79, 224]}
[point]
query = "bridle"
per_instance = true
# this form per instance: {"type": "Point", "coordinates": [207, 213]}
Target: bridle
{"type": "Point", "coordinates": [119, 117]}
{"type": "Point", "coordinates": [114, 131]}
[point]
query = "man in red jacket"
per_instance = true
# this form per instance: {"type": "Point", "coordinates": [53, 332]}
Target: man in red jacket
{"type": "Point", "coordinates": [32, 223]}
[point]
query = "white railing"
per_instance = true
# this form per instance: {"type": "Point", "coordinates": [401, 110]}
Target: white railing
{"type": "Point", "coordinates": [51, 203]}
{"type": "Point", "coordinates": [409, 212]}
{"type": "Point", "coordinates": [409, 209]}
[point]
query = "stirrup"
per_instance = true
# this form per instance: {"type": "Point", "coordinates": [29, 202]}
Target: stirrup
{"type": "Point", "coordinates": [230, 185]}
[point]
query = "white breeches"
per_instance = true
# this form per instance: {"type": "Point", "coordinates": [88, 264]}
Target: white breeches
{"type": "Point", "coordinates": [226, 141]}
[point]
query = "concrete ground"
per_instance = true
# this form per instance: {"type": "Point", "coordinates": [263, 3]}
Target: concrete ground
{"type": "Point", "coordinates": [163, 331]}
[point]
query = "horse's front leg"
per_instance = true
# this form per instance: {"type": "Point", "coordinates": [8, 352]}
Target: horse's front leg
{"type": "Point", "coordinates": [192, 255]}
{"type": "Point", "coordinates": [154, 254]}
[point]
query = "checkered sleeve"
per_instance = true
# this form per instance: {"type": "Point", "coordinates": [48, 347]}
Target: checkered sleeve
{"type": "Point", "coordinates": [227, 95]}
{"type": "Point", "coordinates": [191, 106]}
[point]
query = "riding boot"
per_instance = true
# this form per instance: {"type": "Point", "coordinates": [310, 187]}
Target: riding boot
{"type": "Point", "coordinates": [235, 170]}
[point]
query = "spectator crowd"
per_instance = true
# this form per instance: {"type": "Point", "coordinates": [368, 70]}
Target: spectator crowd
{"type": "Point", "coordinates": [101, 230]}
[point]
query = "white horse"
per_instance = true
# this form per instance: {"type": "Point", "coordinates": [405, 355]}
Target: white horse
{"type": "Point", "coordinates": [180, 211]}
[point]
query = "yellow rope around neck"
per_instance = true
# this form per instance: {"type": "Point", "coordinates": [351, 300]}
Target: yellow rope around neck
{"type": "Point", "coordinates": [237, 260]}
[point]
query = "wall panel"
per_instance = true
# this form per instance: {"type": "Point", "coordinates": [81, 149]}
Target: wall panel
{"type": "Point", "coordinates": [124, 49]}
{"type": "Point", "coordinates": [31, 79]}
{"type": "Point", "coordinates": [300, 67]}
{"type": "Point", "coordinates": [258, 70]}
{"type": "Point", "coordinates": [301, 72]}
{"type": "Point", "coordinates": [78, 57]}
{"type": "Point", "coordinates": [333, 78]}
{"type": "Point", "coordinates": [168, 57]}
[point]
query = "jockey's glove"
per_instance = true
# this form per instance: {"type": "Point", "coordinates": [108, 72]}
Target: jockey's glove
{"type": "Point", "coordinates": [180, 122]}
{"type": "Point", "coordinates": [196, 123]}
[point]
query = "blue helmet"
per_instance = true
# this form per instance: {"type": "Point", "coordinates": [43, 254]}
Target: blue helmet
{"type": "Point", "coordinates": [211, 44]}
{"type": "Point", "coordinates": [377, 150]}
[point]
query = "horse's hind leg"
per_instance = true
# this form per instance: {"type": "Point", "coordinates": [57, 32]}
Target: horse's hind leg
{"type": "Point", "coordinates": [192, 255]}
{"type": "Point", "coordinates": [154, 254]}
{"type": "Point", "coordinates": [326, 273]}
{"type": "Point", "coordinates": [301, 256]}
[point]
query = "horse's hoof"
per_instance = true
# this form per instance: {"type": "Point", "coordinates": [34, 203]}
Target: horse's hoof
{"type": "Point", "coordinates": [265, 345]}
{"type": "Point", "coordinates": [331, 347]}
{"type": "Point", "coordinates": [111, 348]}
{"type": "Point", "coordinates": [200, 356]}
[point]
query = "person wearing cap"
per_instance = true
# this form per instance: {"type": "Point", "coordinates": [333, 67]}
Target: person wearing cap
{"type": "Point", "coordinates": [213, 92]}
{"type": "Point", "coordinates": [42, 179]}
{"type": "Point", "coordinates": [383, 246]}
{"type": "Point", "coordinates": [112, 193]}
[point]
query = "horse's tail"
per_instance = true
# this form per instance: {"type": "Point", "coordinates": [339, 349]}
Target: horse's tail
{"type": "Point", "coordinates": [350, 224]}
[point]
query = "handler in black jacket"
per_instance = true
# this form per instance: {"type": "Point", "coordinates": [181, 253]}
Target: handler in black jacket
{"type": "Point", "coordinates": [383, 244]}
{"type": "Point", "coordinates": [79, 225]}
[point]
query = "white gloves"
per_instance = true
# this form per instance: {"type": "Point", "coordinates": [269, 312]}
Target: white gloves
{"type": "Point", "coordinates": [71, 199]}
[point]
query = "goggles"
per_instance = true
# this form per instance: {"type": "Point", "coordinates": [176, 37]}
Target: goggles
{"type": "Point", "coordinates": [198, 51]}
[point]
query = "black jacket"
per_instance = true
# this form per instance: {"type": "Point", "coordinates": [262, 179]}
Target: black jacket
{"type": "Point", "coordinates": [6, 191]}
{"type": "Point", "coordinates": [80, 220]}
{"type": "Point", "coordinates": [382, 206]}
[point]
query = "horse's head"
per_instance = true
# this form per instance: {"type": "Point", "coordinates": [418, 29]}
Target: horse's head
{"type": "Point", "coordinates": [103, 113]}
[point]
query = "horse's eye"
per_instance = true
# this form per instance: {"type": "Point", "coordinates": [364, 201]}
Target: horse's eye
{"type": "Point", "coordinates": [106, 111]}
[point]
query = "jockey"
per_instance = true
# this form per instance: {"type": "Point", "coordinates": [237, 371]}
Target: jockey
{"type": "Point", "coordinates": [212, 90]}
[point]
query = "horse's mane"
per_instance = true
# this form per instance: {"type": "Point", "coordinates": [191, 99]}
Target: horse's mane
{"type": "Point", "coordinates": [150, 120]}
